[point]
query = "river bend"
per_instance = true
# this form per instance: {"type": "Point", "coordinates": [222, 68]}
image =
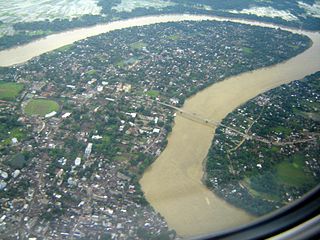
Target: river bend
{"type": "Point", "coordinates": [173, 182]}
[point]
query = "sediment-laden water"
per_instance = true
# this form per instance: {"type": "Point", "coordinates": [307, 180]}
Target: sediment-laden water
{"type": "Point", "coordinates": [173, 184]}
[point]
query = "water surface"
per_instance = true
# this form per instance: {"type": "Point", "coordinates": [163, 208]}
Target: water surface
{"type": "Point", "coordinates": [173, 184]}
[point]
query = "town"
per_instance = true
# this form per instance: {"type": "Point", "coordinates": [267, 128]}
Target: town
{"type": "Point", "coordinates": [84, 127]}
{"type": "Point", "coordinates": [263, 177]}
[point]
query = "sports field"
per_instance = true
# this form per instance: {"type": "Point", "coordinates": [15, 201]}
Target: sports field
{"type": "Point", "coordinates": [41, 107]}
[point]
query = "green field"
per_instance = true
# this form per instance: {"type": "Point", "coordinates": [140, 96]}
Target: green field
{"type": "Point", "coordinates": [120, 63]}
{"type": "Point", "coordinates": [41, 107]}
{"type": "Point", "coordinates": [152, 93]}
{"type": "Point", "coordinates": [247, 51]}
{"type": "Point", "coordinates": [292, 172]}
{"type": "Point", "coordinates": [280, 129]}
{"type": "Point", "coordinates": [9, 90]}
{"type": "Point", "coordinates": [174, 37]}
{"type": "Point", "coordinates": [138, 45]}
{"type": "Point", "coordinates": [91, 72]}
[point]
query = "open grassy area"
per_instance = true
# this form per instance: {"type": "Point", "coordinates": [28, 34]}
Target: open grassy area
{"type": "Point", "coordinates": [9, 90]}
{"type": "Point", "coordinates": [91, 72]}
{"type": "Point", "coordinates": [280, 129]}
{"type": "Point", "coordinates": [247, 51]}
{"type": "Point", "coordinates": [138, 45]}
{"type": "Point", "coordinates": [152, 93]}
{"type": "Point", "coordinates": [292, 173]}
{"type": "Point", "coordinates": [41, 107]}
{"type": "Point", "coordinates": [174, 37]}
{"type": "Point", "coordinates": [120, 63]}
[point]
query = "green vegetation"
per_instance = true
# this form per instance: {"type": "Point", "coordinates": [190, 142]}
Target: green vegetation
{"type": "Point", "coordinates": [275, 149]}
{"type": "Point", "coordinates": [120, 63]}
{"type": "Point", "coordinates": [262, 177]}
{"type": "Point", "coordinates": [18, 161]}
{"type": "Point", "coordinates": [17, 133]}
{"type": "Point", "coordinates": [153, 93]}
{"type": "Point", "coordinates": [292, 173]}
{"type": "Point", "coordinates": [138, 45]}
{"type": "Point", "coordinates": [314, 106]}
{"type": "Point", "coordinates": [121, 158]}
{"type": "Point", "coordinates": [104, 145]}
{"type": "Point", "coordinates": [10, 128]}
{"type": "Point", "coordinates": [65, 48]}
{"type": "Point", "coordinates": [247, 50]}
{"type": "Point", "coordinates": [293, 46]}
{"type": "Point", "coordinates": [91, 72]}
{"type": "Point", "coordinates": [247, 184]}
{"type": "Point", "coordinates": [308, 115]}
{"type": "Point", "coordinates": [26, 31]}
{"type": "Point", "coordinates": [128, 144]}
{"type": "Point", "coordinates": [10, 90]}
{"type": "Point", "coordinates": [284, 130]}
{"type": "Point", "coordinates": [38, 33]}
{"type": "Point", "coordinates": [174, 37]}
{"type": "Point", "coordinates": [17, 192]}
{"type": "Point", "coordinates": [41, 107]}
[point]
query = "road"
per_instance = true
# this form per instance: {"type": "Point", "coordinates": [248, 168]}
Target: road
{"type": "Point", "coordinates": [246, 136]}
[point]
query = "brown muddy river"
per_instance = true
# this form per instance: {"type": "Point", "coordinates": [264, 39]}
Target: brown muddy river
{"type": "Point", "coordinates": [173, 184]}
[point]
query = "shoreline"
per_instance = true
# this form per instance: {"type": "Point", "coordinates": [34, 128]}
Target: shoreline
{"type": "Point", "coordinates": [22, 53]}
{"type": "Point", "coordinates": [173, 183]}
{"type": "Point", "coordinates": [167, 159]}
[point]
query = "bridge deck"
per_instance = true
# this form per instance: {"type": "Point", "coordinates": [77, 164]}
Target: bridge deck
{"type": "Point", "coordinates": [214, 124]}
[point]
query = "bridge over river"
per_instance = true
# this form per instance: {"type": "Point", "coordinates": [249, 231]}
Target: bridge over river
{"type": "Point", "coordinates": [172, 184]}
{"type": "Point", "coordinates": [214, 124]}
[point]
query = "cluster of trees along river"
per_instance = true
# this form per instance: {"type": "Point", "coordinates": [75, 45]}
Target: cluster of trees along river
{"type": "Point", "coordinates": [28, 31]}
{"type": "Point", "coordinates": [173, 183]}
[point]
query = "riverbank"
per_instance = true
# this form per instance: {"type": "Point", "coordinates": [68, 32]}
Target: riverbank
{"type": "Point", "coordinates": [266, 175]}
{"type": "Point", "coordinates": [173, 183]}
{"type": "Point", "coordinates": [179, 168]}
{"type": "Point", "coordinates": [21, 32]}
{"type": "Point", "coordinates": [23, 53]}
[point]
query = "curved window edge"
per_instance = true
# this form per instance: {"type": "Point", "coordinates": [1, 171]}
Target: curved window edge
{"type": "Point", "coordinates": [300, 218]}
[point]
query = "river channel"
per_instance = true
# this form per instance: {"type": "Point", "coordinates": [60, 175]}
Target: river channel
{"type": "Point", "coordinates": [173, 184]}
